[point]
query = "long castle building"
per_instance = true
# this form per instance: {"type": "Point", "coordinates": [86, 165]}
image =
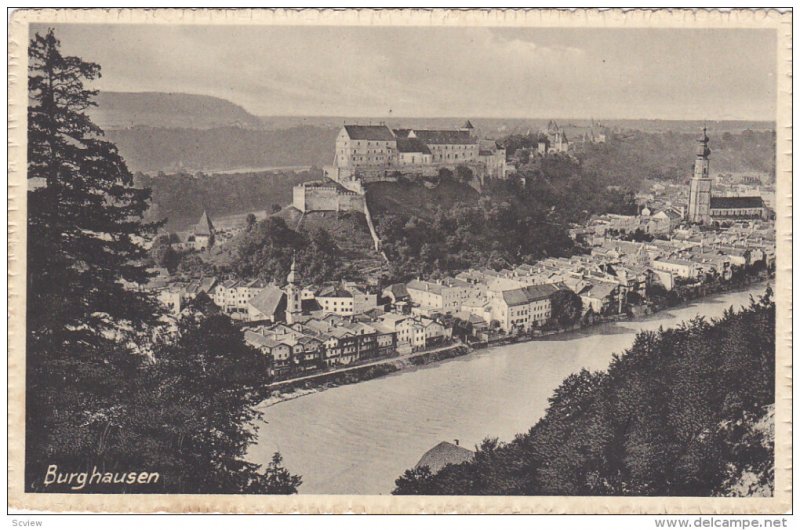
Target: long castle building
{"type": "Point", "coordinates": [372, 152]}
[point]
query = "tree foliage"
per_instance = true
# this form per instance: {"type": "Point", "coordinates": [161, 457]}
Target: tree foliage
{"type": "Point", "coordinates": [202, 389]}
{"type": "Point", "coordinates": [267, 249]}
{"type": "Point", "coordinates": [566, 307]}
{"type": "Point", "coordinates": [107, 389]}
{"type": "Point", "coordinates": [520, 220]}
{"type": "Point", "coordinates": [83, 253]}
{"type": "Point", "coordinates": [676, 414]}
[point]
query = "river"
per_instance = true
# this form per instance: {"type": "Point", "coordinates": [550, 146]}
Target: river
{"type": "Point", "coordinates": [357, 439]}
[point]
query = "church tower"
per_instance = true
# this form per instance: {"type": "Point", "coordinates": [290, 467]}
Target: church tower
{"type": "Point", "coordinates": [700, 185]}
{"type": "Point", "coordinates": [294, 307]}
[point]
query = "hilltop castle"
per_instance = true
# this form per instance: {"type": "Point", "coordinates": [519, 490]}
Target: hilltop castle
{"type": "Point", "coordinates": [371, 152]}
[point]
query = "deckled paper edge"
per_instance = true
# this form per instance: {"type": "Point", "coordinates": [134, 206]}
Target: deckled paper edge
{"type": "Point", "coordinates": [18, 39]}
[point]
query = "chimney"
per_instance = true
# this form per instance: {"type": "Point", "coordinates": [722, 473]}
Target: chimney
{"type": "Point", "coordinates": [457, 441]}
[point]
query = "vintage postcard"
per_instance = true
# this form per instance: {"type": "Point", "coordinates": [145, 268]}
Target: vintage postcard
{"type": "Point", "coordinates": [400, 261]}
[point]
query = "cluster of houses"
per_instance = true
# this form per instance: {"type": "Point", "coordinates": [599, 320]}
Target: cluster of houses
{"type": "Point", "coordinates": [310, 328]}
{"type": "Point", "coordinates": [612, 276]}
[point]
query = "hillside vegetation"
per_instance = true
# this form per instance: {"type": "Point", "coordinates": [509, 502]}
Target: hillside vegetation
{"type": "Point", "coordinates": [181, 198]}
{"type": "Point", "coordinates": [450, 227]}
{"type": "Point", "coordinates": [685, 411]}
{"type": "Point", "coordinates": [629, 159]}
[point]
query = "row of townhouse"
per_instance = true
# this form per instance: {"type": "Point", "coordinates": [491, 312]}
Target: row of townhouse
{"type": "Point", "coordinates": [314, 344]}
{"type": "Point", "coordinates": [414, 332]}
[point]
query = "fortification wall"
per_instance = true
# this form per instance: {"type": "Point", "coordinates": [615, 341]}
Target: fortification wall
{"type": "Point", "coordinates": [321, 199]}
{"type": "Point", "coordinates": [325, 199]}
{"type": "Point", "coordinates": [299, 198]}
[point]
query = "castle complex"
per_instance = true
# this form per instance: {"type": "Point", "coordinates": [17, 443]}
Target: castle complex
{"type": "Point", "coordinates": [369, 153]}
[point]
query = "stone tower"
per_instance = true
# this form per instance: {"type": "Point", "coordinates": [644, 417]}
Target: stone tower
{"type": "Point", "coordinates": [700, 185]}
{"type": "Point", "coordinates": [294, 307]}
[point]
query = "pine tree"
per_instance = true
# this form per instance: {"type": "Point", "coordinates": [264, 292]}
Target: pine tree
{"type": "Point", "coordinates": [101, 394]}
{"type": "Point", "coordinates": [85, 260]}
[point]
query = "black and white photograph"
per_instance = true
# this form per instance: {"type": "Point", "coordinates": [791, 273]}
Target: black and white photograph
{"type": "Point", "coordinates": [400, 261]}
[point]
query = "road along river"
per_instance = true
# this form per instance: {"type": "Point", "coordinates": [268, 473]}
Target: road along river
{"type": "Point", "coordinates": [358, 439]}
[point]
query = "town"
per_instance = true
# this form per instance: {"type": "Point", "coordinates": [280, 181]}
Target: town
{"type": "Point", "coordinates": [683, 243]}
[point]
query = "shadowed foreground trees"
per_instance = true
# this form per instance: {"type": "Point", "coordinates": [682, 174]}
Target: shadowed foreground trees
{"type": "Point", "coordinates": [107, 390]}
{"type": "Point", "coordinates": [685, 411]}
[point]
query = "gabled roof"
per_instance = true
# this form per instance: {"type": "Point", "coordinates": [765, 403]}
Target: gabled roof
{"type": "Point", "coordinates": [206, 284]}
{"type": "Point", "coordinates": [268, 300]}
{"type": "Point", "coordinates": [334, 291]}
{"type": "Point", "coordinates": [412, 145]}
{"type": "Point", "coordinates": [448, 137]}
{"type": "Point", "coordinates": [258, 340]}
{"type": "Point", "coordinates": [528, 294]}
{"type": "Point", "coordinates": [204, 227]}
{"type": "Point", "coordinates": [398, 290]}
{"type": "Point", "coordinates": [369, 132]}
{"type": "Point", "coordinates": [736, 202]}
{"type": "Point", "coordinates": [600, 290]}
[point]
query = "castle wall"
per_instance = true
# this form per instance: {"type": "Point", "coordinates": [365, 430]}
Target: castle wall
{"type": "Point", "coordinates": [321, 199]}
{"type": "Point", "coordinates": [299, 198]}
{"type": "Point", "coordinates": [326, 199]}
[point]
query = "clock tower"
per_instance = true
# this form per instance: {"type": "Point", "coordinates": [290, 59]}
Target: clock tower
{"type": "Point", "coordinates": [700, 185]}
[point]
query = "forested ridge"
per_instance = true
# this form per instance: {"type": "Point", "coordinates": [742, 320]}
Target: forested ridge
{"type": "Point", "coordinates": [685, 411]}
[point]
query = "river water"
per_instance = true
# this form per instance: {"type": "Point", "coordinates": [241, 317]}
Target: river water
{"type": "Point", "coordinates": [358, 439]}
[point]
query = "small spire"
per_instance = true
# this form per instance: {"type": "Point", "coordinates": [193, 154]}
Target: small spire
{"type": "Point", "coordinates": [292, 271]}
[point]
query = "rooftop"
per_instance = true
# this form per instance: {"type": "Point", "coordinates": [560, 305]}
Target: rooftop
{"type": "Point", "coordinates": [736, 202]}
{"type": "Point", "coordinates": [369, 132]}
{"type": "Point", "coordinates": [443, 454]}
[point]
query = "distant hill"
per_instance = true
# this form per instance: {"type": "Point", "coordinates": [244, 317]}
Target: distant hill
{"type": "Point", "coordinates": [121, 110]}
{"type": "Point", "coordinates": [496, 127]}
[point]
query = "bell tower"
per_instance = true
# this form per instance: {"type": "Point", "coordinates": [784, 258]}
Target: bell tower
{"type": "Point", "coordinates": [294, 307]}
{"type": "Point", "coordinates": [700, 185]}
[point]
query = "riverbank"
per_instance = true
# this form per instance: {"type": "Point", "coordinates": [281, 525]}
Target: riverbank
{"type": "Point", "coordinates": [311, 384]}
{"type": "Point", "coordinates": [357, 439]}
{"type": "Point", "coordinates": [295, 388]}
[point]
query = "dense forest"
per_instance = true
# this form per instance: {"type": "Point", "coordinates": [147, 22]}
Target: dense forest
{"type": "Point", "coordinates": [685, 411]}
{"type": "Point", "coordinates": [520, 220]}
{"type": "Point", "coordinates": [181, 198]}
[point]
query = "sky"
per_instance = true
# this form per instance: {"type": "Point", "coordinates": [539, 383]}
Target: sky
{"type": "Point", "coordinates": [719, 74]}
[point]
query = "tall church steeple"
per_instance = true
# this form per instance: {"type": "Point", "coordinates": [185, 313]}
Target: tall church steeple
{"type": "Point", "coordinates": [294, 306]}
{"type": "Point", "coordinates": [700, 185]}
